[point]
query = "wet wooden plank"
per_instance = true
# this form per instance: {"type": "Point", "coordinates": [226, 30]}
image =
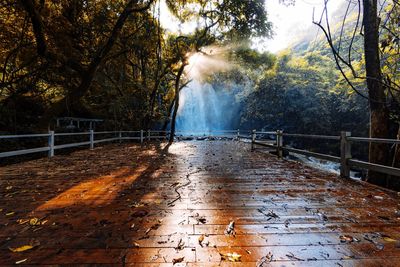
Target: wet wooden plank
{"type": "Point", "coordinates": [119, 204]}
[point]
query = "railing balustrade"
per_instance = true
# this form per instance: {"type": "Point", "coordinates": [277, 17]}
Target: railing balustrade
{"type": "Point", "coordinates": [257, 139]}
{"type": "Point", "coordinates": [345, 158]}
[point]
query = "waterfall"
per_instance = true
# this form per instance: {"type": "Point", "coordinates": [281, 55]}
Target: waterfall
{"type": "Point", "coordinates": [199, 109]}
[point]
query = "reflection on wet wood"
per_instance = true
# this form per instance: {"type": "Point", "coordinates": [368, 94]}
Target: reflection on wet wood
{"type": "Point", "coordinates": [123, 205]}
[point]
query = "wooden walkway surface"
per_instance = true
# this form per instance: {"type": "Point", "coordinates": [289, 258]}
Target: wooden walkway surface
{"type": "Point", "coordinates": [126, 206]}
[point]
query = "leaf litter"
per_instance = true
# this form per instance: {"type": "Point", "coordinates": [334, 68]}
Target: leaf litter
{"type": "Point", "coordinates": [232, 257]}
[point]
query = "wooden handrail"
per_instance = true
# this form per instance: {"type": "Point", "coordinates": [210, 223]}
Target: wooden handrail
{"type": "Point", "coordinates": [346, 161]}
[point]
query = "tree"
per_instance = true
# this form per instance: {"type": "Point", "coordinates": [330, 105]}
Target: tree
{"type": "Point", "coordinates": [88, 71]}
{"type": "Point", "coordinates": [219, 21]}
{"type": "Point", "coordinates": [381, 92]}
{"type": "Point", "coordinates": [379, 128]}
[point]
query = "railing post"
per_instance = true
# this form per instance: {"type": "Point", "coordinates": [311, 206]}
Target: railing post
{"type": "Point", "coordinates": [279, 143]}
{"type": "Point", "coordinates": [238, 133]}
{"type": "Point", "coordinates": [91, 138]}
{"type": "Point", "coordinates": [148, 135]}
{"type": "Point", "coordinates": [51, 144]}
{"type": "Point", "coordinates": [120, 136]}
{"type": "Point", "coordinates": [345, 154]}
{"type": "Point", "coordinates": [141, 136]}
{"type": "Point", "coordinates": [253, 139]}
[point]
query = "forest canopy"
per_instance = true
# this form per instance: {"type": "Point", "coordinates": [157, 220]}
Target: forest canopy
{"type": "Point", "coordinates": [106, 59]}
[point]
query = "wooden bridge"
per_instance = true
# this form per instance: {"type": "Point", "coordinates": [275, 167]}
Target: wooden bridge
{"type": "Point", "coordinates": [209, 203]}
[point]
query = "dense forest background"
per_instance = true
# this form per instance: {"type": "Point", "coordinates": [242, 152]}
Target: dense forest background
{"type": "Point", "coordinates": [298, 90]}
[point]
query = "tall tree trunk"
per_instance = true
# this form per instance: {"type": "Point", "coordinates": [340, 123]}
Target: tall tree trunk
{"type": "Point", "coordinates": [176, 103]}
{"type": "Point", "coordinates": [379, 120]}
{"type": "Point", "coordinates": [168, 118]}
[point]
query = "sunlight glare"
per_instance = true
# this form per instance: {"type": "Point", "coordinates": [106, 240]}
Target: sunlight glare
{"type": "Point", "coordinates": [208, 61]}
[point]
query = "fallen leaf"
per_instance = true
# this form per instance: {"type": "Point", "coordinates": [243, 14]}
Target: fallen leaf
{"type": "Point", "coordinates": [202, 220]}
{"type": "Point", "coordinates": [201, 239]}
{"type": "Point", "coordinates": [291, 256]}
{"type": "Point", "coordinates": [136, 245]}
{"type": "Point", "coordinates": [34, 221]}
{"type": "Point", "coordinates": [181, 245]}
{"type": "Point", "coordinates": [322, 217]}
{"type": "Point", "coordinates": [388, 239]}
{"type": "Point", "coordinates": [346, 257]}
{"type": "Point", "coordinates": [153, 227]}
{"type": "Point", "coordinates": [264, 261]}
{"type": "Point", "coordinates": [346, 238]}
{"type": "Point", "coordinates": [22, 221]}
{"type": "Point", "coordinates": [21, 249]}
{"type": "Point", "coordinates": [177, 260]}
{"type": "Point", "coordinates": [233, 257]}
{"type": "Point", "coordinates": [10, 213]}
{"type": "Point", "coordinates": [21, 261]}
{"type": "Point", "coordinates": [231, 228]}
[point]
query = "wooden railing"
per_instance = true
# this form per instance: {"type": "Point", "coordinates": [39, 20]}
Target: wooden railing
{"type": "Point", "coordinates": [345, 139]}
{"type": "Point", "coordinates": [140, 136]}
{"type": "Point", "coordinates": [345, 158]}
{"type": "Point", "coordinates": [52, 146]}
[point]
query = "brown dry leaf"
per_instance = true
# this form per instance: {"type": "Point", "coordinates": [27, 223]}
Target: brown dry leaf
{"type": "Point", "coordinates": [346, 238]}
{"type": "Point", "coordinates": [34, 221]}
{"type": "Point", "coordinates": [248, 251]}
{"type": "Point", "coordinates": [136, 245]}
{"type": "Point", "coordinates": [264, 261]}
{"type": "Point", "coordinates": [348, 257]}
{"type": "Point", "coordinates": [10, 213]}
{"type": "Point", "coordinates": [388, 239]}
{"type": "Point", "coordinates": [22, 221]}
{"type": "Point", "coordinates": [201, 239]}
{"type": "Point", "coordinates": [22, 248]}
{"type": "Point", "coordinates": [178, 260]}
{"type": "Point", "coordinates": [9, 187]}
{"type": "Point", "coordinates": [233, 257]}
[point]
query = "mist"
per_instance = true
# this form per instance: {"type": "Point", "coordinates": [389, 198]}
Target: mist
{"type": "Point", "coordinates": [209, 102]}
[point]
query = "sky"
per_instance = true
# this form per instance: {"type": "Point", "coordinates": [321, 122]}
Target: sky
{"type": "Point", "coordinates": [290, 22]}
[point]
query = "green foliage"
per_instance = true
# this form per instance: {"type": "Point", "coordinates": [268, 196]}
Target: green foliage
{"type": "Point", "coordinates": [296, 95]}
{"type": "Point", "coordinates": [77, 61]}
